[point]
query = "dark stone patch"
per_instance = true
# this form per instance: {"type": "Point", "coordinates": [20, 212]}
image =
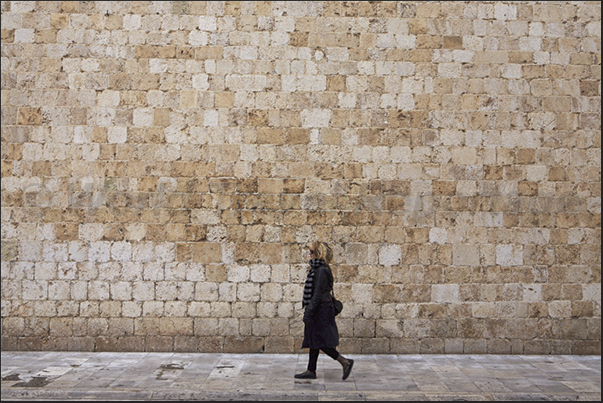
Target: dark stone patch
{"type": "Point", "coordinates": [35, 382]}
{"type": "Point", "coordinates": [172, 366]}
{"type": "Point", "coordinates": [168, 367]}
{"type": "Point", "coordinates": [11, 377]}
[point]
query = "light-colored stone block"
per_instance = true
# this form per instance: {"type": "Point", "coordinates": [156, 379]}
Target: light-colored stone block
{"type": "Point", "coordinates": [465, 255]}
{"type": "Point", "coordinates": [509, 255]}
{"type": "Point", "coordinates": [316, 117]}
{"type": "Point", "coordinates": [390, 255]}
{"type": "Point", "coordinates": [445, 293]}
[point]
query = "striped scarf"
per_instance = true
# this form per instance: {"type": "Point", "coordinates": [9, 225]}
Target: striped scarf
{"type": "Point", "coordinates": [309, 285]}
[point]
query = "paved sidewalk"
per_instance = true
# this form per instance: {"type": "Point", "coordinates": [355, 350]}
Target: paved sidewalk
{"type": "Point", "coordinates": [188, 376]}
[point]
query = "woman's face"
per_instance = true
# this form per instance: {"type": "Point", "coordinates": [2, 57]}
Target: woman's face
{"type": "Point", "coordinates": [312, 254]}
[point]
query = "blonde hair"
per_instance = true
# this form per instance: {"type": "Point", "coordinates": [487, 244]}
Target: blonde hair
{"type": "Point", "coordinates": [322, 251]}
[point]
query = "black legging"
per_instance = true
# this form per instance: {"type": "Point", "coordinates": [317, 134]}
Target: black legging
{"type": "Point", "coordinates": [330, 351]}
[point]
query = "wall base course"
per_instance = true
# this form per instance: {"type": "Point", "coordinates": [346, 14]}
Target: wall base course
{"type": "Point", "coordinates": [285, 345]}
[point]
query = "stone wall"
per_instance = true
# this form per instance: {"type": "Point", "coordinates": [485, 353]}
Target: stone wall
{"type": "Point", "coordinates": [164, 164]}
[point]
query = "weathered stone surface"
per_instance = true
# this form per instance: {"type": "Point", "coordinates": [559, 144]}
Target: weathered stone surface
{"type": "Point", "coordinates": [165, 165]}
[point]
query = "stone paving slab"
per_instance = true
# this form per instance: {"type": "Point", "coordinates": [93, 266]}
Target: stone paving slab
{"type": "Point", "coordinates": [221, 377]}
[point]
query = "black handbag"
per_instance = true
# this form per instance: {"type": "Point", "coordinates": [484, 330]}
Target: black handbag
{"type": "Point", "coordinates": [337, 304]}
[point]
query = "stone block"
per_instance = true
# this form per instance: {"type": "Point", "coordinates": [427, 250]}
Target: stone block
{"type": "Point", "coordinates": [405, 345]}
{"type": "Point", "coordinates": [465, 255]}
{"type": "Point", "coordinates": [364, 328]}
{"type": "Point", "coordinates": [279, 345]}
{"type": "Point", "coordinates": [498, 346]}
{"type": "Point", "coordinates": [453, 346]}
{"type": "Point", "coordinates": [10, 343]}
{"type": "Point", "coordinates": [29, 116]}
{"type": "Point", "coordinates": [445, 293]}
{"type": "Point", "coordinates": [9, 251]}
{"type": "Point", "coordinates": [271, 253]}
{"type": "Point", "coordinates": [235, 345]}
{"type": "Point", "coordinates": [586, 347]}
{"type": "Point", "coordinates": [374, 345]}
{"type": "Point", "coordinates": [356, 253]}
{"type": "Point", "coordinates": [206, 252]}
{"type": "Point", "coordinates": [389, 328]}
{"type": "Point", "coordinates": [453, 42]}
{"type": "Point", "coordinates": [390, 255]}
{"type": "Point", "coordinates": [509, 255]}
{"type": "Point", "coordinates": [158, 343]}
{"type": "Point", "coordinates": [384, 293]}
{"type": "Point", "coordinates": [211, 344]}
{"type": "Point", "coordinates": [432, 346]}
{"type": "Point", "coordinates": [475, 346]}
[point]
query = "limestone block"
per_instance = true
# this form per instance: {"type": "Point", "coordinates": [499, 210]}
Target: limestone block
{"type": "Point", "coordinates": [532, 292]}
{"type": "Point", "coordinates": [59, 290]}
{"type": "Point", "coordinates": [199, 309]}
{"type": "Point", "coordinates": [34, 290]}
{"type": "Point", "coordinates": [249, 292]}
{"type": "Point", "coordinates": [237, 82]}
{"type": "Point", "coordinates": [316, 117]}
{"type": "Point", "coordinates": [438, 235]}
{"type": "Point", "coordinates": [206, 291]}
{"type": "Point", "coordinates": [356, 253]}
{"type": "Point", "coordinates": [559, 309]}
{"type": "Point", "coordinates": [227, 291]}
{"type": "Point", "coordinates": [271, 292]}
{"type": "Point", "coordinates": [239, 274]}
{"type": "Point", "coordinates": [206, 326]}
{"type": "Point", "coordinates": [175, 290]}
{"type": "Point", "coordinates": [465, 255]}
{"type": "Point", "coordinates": [228, 327]}
{"type": "Point", "coordinates": [132, 309]}
{"type": "Point", "coordinates": [390, 255]}
{"type": "Point", "coordinates": [206, 252]}
{"type": "Point", "coordinates": [121, 251]}
{"type": "Point", "coordinates": [261, 327]}
{"type": "Point", "coordinates": [267, 309]}
{"type": "Point", "coordinates": [176, 326]}
{"type": "Point", "coordinates": [388, 328]}
{"type": "Point", "coordinates": [153, 309]}
{"type": "Point", "coordinates": [505, 12]}
{"type": "Point", "coordinates": [79, 290]}
{"type": "Point", "coordinates": [117, 134]}
{"type": "Point", "coordinates": [24, 35]}
{"type": "Point", "coordinates": [509, 255]}
{"type": "Point", "coordinates": [271, 253]}
{"type": "Point", "coordinates": [61, 327]}
{"type": "Point", "coordinates": [240, 344]}
{"type": "Point", "coordinates": [99, 251]}
{"type": "Point", "coordinates": [293, 292]}
{"type": "Point", "coordinates": [143, 290]}
{"type": "Point", "coordinates": [45, 271]}
{"type": "Point", "coordinates": [165, 252]}
{"type": "Point", "coordinates": [488, 219]}
{"type": "Point", "coordinates": [362, 293]}
{"type": "Point", "coordinates": [445, 293]}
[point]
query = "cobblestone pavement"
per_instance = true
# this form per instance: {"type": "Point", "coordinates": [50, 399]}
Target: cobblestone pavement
{"type": "Point", "coordinates": [189, 376]}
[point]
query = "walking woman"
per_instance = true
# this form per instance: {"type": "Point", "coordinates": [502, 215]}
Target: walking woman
{"type": "Point", "coordinates": [320, 331]}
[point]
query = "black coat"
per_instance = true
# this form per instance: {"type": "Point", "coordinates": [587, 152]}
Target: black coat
{"type": "Point", "coordinates": [319, 316]}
